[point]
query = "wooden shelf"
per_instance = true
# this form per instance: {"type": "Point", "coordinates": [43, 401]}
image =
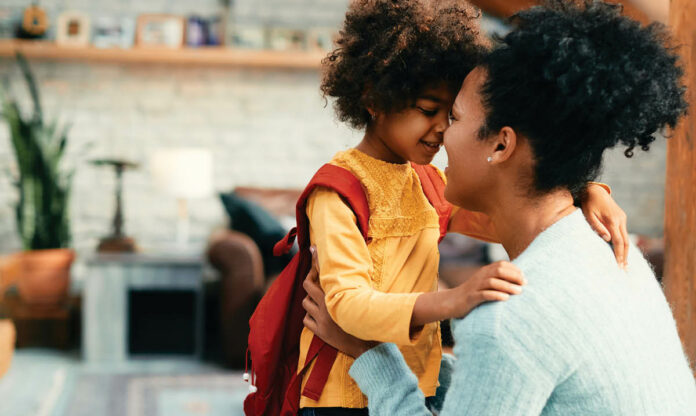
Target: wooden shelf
{"type": "Point", "coordinates": [206, 56]}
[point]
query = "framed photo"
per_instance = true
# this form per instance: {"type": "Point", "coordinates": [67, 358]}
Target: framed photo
{"type": "Point", "coordinates": [321, 39]}
{"type": "Point", "coordinates": [249, 37]}
{"type": "Point", "coordinates": [112, 32]}
{"type": "Point", "coordinates": [284, 39]}
{"type": "Point", "coordinates": [73, 29]}
{"type": "Point", "coordinates": [160, 30]}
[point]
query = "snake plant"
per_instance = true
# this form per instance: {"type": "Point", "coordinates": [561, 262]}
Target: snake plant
{"type": "Point", "coordinates": [42, 182]}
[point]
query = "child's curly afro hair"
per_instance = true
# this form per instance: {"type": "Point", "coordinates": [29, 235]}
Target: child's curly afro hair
{"type": "Point", "coordinates": [390, 51]}
{"type": "Point", "coordinates": [576, 77]}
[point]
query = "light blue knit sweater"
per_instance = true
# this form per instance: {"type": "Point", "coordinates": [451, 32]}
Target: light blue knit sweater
{"type": "Point", "coordinates": [584, 338]}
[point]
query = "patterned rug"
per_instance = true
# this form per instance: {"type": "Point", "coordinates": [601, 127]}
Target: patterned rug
{"type": "Point", "coordinates": [49, 383]}
{"type": "Point", "coordinates": [148, 395]}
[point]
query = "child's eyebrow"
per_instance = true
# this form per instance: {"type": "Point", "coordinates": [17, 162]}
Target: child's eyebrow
{"type": "Point", "coordinates": [431, 98]}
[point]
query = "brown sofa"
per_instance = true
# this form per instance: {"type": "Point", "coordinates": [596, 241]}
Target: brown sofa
{"type": "Point", "coordinates": [243, 280]}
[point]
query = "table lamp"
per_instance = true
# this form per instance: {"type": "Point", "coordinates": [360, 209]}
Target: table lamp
{"type": "Point", "coordinates": [184, 173]}
{"type": "Point", "coordinates": [117, 241]}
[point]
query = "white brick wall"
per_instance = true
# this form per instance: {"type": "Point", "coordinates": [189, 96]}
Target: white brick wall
{"type": "Point", "coordinates": [266, 128]}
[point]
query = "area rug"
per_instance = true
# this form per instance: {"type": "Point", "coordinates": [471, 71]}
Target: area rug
{"type": "Point", "coordinates": [157, 395]}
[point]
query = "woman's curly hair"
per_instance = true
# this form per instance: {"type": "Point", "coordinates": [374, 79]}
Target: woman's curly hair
{"type": "Point", "coordinates": [389, 51]}
{"type": "Point", "coordinates": [576, 78]}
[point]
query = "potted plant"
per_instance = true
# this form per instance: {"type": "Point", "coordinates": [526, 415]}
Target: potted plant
{"type": "Point", "coordinates": [42, 271]}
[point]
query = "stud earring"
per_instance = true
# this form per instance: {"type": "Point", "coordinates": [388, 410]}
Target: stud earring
{"type": "Point", "coordinates": [490, 159]}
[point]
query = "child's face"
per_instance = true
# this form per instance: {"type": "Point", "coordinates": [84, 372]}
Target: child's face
{"type": "Point", "coordinates": [415, 134]}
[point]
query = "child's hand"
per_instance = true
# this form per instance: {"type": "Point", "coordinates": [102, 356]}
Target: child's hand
{"type": "Point", "coordinates": [495, 282]}
{"type": "Point", "coordinates": [319, 321]}
{"type": "Point", "coordinates": [608, 219]}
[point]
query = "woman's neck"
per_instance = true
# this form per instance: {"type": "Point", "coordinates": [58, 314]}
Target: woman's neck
{"type": "Point", "coordinates": [518, 220]}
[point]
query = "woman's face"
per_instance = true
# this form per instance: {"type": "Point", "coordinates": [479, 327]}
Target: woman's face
{"type": "Point", "coordinates": [468, 171]}
{"type": "Point", "coordinates": [415, 134]}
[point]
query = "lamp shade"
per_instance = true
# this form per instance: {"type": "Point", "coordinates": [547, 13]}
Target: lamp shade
{"type": "Point", "coordinates": [184, 172]}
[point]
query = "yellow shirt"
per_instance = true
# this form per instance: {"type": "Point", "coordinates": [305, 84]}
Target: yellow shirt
{"type": "Point", "coordinates": [371, 288]}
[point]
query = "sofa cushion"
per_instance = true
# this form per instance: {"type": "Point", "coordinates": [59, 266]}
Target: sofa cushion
{"type": "Point", "coordinates": [253, 220]}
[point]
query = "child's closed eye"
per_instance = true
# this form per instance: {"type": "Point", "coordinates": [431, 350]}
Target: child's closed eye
{"type": "Point", "coordinates": [428, 112]}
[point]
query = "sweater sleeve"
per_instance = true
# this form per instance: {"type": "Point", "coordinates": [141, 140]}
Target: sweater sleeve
{"type": "Point", "coordinates": [389, 384]}
{"type": "Point", "coordinates": [345, 266]}
{"type": "Point", "coordinates": [489, 378]}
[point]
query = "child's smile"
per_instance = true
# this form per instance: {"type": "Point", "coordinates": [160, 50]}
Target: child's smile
{"type": "Point", "coordinates": [431, 147]}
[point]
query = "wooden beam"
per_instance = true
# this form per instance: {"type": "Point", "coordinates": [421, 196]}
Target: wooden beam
{"type": "Point", "coordinates": [680, 194]}
{"type": "Point", "coordinates": [654, 9]}
{"type": "Point", "coordinates": [506, 8]}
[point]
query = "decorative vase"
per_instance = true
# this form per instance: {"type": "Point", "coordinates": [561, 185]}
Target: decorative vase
{"type": "Point", "coordinates": [44, 276]}
{"type": "Point", "coordinates": [7, 343]}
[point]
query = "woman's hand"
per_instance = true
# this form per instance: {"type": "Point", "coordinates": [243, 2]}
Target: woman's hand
{"type": "Point", "coordinates": [319, 321]}
{"type": "Point", "coordinates": [607, 219]}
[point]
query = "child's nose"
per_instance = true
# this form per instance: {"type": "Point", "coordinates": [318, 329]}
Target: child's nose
{"type": "Point", "coordinates": [442, 122]}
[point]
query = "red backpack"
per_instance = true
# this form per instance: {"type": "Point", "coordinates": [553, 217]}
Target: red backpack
{"type": "Point", "coordinates": [276, 325]}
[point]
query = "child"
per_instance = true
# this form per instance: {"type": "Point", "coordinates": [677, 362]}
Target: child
{"type": "Point", "coordinates": [395, 74]}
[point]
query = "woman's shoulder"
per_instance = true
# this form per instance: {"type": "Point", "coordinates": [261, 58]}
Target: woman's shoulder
{"type": "Point", "coordinates": [484, 320]}
{"type": "Point", "coordinates": [527, 315]}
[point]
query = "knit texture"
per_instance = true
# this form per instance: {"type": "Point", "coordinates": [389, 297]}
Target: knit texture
{"type": "Point", "coordinates": [584, 338]}
{"type": "Point", "coordinates": [398, 206]}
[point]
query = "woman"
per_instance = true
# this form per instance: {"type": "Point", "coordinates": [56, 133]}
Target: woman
{"type": "Point", "coordinates": [529, 128]}
{"type": "Point", "coordinates": [394, 74]}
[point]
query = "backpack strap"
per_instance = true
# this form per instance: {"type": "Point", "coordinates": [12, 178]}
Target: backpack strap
{"type": "Point", "coordinates": [325, 356]}
{"type": "Point", "coordinates": [346, 185]}
{"type": "Point", "coordinates": [434, 189]}
{"type": "Point", "coordinates": [351, 191]}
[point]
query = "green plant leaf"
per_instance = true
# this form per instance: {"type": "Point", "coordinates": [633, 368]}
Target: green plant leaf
{"type": "Point", "coordinates": [31, 84]}
{"type": "Point", "coordinates": [44, 187]}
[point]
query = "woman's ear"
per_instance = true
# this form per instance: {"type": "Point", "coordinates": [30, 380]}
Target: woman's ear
{"type": "Point", "coordinates": [503, 145]}
{"type": "Point", "coordinates": [373, 114]}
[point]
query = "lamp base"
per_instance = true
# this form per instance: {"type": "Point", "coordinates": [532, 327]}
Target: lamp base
{"type": "Point", "coordinates": [117, 245]}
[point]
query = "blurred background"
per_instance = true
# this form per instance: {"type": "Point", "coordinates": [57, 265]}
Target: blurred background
{"type": "Point", "coordinates": [151, 153]}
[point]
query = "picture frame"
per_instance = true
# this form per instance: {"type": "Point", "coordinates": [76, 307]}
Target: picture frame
{"type": "Point", "coordinates": [113, 32]}
{"type": "Point", "coordinates": [249, 37]}
{"type": "Point", "coordinates": [160, 31]}
{"type": "Point", "coordinates": [321, 39]}
{"type": "Point", "coordinates": [287, 39]}
{"type": "Point", "coordinates": [73, 29]}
